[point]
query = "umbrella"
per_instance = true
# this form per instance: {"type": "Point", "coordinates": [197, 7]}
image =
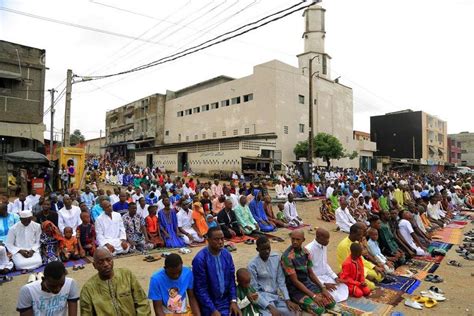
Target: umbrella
{"type": "Point", "coordinates": [26, 157]}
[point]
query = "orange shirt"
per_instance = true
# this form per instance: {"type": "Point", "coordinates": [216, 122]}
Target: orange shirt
{"type": "Point", "coordinates": [69, 244]}
{"type": "Point", "coordinates": [152, 224]}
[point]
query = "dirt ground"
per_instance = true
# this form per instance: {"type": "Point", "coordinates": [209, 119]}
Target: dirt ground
{"type": "Point", "coordinates": [458, 283]}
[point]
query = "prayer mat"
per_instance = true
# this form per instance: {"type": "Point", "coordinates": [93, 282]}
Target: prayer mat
{"type": "Point", "coordinates": [439, 245]}
{"type": "Point", "coordinates": [433, 268]}
{"type": "Point", "coordinates": [68, 264]}
{"type": "Point", "coordinates": [238, 239]}
{"type": "Point", "coordinates": [299, 227]}
{"type": "Point", "coordinates": [407, 285]}
{"type": "Point", "coordinates": [364, 306]}
{"type": "Point", "coordinates": [449, 235]}
{"type": "Point", "coordinates": [436, 259]}
{"type": "Point", "coordinates": [457, 226]}
{"type": "Point", "coordinates": [422, 269]}
{"type": "Point", "coordinates": [386, 296]}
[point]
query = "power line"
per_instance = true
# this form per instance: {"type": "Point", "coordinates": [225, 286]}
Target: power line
{"type": "Point", "coordinates": [80, 26]}
{"type": "Point", "coordinates": [202, 46]}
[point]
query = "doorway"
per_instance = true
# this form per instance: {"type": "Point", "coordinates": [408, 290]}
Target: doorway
{"type": "Point", "coordinates": [149, 161]}
{"type": "Point", "coordinates": [182, 161]}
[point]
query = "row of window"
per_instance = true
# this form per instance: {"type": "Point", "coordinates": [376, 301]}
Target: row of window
{"type": "Point", "coordinates": [216, 105]}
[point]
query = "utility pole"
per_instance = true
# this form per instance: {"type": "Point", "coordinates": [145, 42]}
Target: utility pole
{"type": "Point", "coordinates": [310, 101]}
{"type": "Point", "coordinates": [51, 134]}
{"type": "Point", "coordinates": [67, 112]}
{"type": "Point", "coordinates": [100, 143]}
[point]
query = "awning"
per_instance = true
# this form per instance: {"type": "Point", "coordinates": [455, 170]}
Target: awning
{"type": "Point", "coordinates": [10, 75]}
{"type": "Point", "coordinates": [440, 151]}
{"type": "Point", "coordinates": [26, 157]}
{"type": "Point", "coordinates": [432, 149]}
{"type": "Point", "coordinates": [30, 131]}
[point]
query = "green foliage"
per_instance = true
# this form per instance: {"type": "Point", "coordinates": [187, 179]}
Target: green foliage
{"type": "Point", "coordinates": [352, 155]}
{"type": "Point", "coordinates": [76, 138]}
{"type": "Point", "coordinates": [325, 146]}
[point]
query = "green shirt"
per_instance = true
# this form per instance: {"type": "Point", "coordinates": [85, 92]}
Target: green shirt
{"type": "Point", "coordinates": [383, 201]}
{"type": "Point", "coordinates": [247, 308]}
{"type": "Point", "coordinates": [120, 296]}
{"type": "Point", "coordinates": [334, 201]}
{"type": "Point", "coordinates": [386, 238]}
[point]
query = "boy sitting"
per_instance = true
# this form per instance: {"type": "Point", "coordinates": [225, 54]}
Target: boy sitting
{"type": "Point", "coordinates": [153, 227]}
{"type": "Point", "coordinates": [375, 251]}
{"type": "Point", "coordinates": [85, 233]}
{"type": "Point", "coordinates": [247, 296]}
{"type": "Point", "coordinates": [69, 246]}
{"type": "Point", "coordinates": [352, 273]}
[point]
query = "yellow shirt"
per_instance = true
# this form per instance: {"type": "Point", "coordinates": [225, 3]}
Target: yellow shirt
{"type": "Point", "coordinates": [344, 250]}
{"type": "Point", "coordinates": [398, 195]}
{"type": "Point", "coordinates": [11, 180]}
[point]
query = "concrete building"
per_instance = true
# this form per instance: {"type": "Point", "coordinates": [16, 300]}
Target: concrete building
{"type": "Point", "coordinates": [366, 149]}
{"type": "Point", "coordinates": [409, 134]}
{"type": "Point", "coordinates": [22, 74]}
{"type": "Point", "coordinates": [94, 146]}
{"type": "Point", "coordinates": [466, 141]}
{"type": "Point", "coordinates": [212, 125]}
{"type": "Point", "coordinates": [454, 151]}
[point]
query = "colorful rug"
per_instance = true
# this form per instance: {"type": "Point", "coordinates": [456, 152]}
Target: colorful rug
{"type": "Point", "coordinates": [439, 245]}
{"type": "Point", "coordinates": [449, 235]}
{"type": "Point", "coordinates": [436, 259]}
{"type": "Point", "coordinates": [68, 264]}
{"type": "Point", "coordinates": [238, 239]}
{"type": "Point", "coordinates": [421, 267]}
{"type": "Point", "coordinates": [407, 285]}
{"type": "Point", "coordinates": [433, 268]}
{"type": "Point", "coordinates": [457, 226]}
{"type": "Point", "coordinates": [386, 296]}
{"type": "Point", "coordinates": [364, 306]}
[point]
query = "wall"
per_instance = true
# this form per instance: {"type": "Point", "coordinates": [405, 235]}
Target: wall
{"type": "Point", "coordinates": [467, 147]}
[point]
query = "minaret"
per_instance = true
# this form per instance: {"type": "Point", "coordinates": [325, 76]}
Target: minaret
{"type": "Point", "coordinates": [314, 35]}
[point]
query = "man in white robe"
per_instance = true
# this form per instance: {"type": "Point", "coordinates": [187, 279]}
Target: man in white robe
{"type": "Point", "coordinates": [21, 204]}
{"type": "Point", "coordinates": [186, 223]}
{"type": "Point", "coordinates": [290, 212]}
{"type": "Point", "coordinates": [344, 219]}
{"type": "Point", "coordinates": [318, 251]}
{"type": "Point", "coordinates": [280, 193]}
{"type": "Point", "coordinates": [69, 216]}
{"type": "Point", "coordinates": [33, 198]}
{"type": "Point", "coordinates": [23, 242]}
{"type": "Point", "coordinates": [111, 231]}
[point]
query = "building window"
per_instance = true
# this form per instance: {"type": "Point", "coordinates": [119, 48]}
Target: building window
{"type": "Point", "coordinates": [180, 113]}
{"type": "Point", "coordinates": [197, 110]}
{"type": "Point", "coordinates": [236, 132]}
{"type": "Point", "coordinates": [325, 65]}
{"type": "Point", "coordinates": [301, 99]}
{"type": "Point", "coordinates": [189, 111]}
{"type": "Point", "coordinates": [236, 100]}
{"type": "Point", "coordinates": [24, 143]}
{"type": "Point", "coordinates": [214, 105]}
{"type": "Point", "coordinates": [248, 97]}
{"type": "Point", "coordinates": [223, 133]}
{"type": "Point", "coordinates": [205, 107]}
{"type": "Point", "coordinates": [247, 130]}
{"type": "Point", "coordinates": [285, 129]}
{"type": "Point", "coordinates": [203, 136]}
{"type": "Point", "coordinates": [179, 137]}
{"type": "Point", "coordinates": [167, 133]}
{"type": "Point", "coordinates": [195, 137]}
{"type": "Point", "coordinates": [214, 134]}
{"type": "Point", "coordinates": [225, 103]}
{"type": "Point", "coordinates": [301, 128]}
{"type": "Point", "coordinates": [187, 138]}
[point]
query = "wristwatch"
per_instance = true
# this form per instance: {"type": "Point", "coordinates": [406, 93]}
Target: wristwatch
{"type": "Point", "coordinates": [233, 301]}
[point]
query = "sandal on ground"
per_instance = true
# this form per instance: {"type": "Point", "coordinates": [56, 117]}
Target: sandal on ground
{"type": "Point", "coordinates": [151, 259]}
{"type": "Point", "coordinates": [75, 267]}
{"type": "Point", "coordinates": [468, 256]}
{"type": "Point", "coordinates": [433, 295]}
{"type": "Point", "coordinates": [31, 278]}
{"type": "Point", "coordinates": [430, 303]}
{"type": "Point", "coordinates": [436, 290]}
{"type": "Point", "coordinates": [433, 278]}
{"type": "Point", "coordinates": [454, 263]}
{"type": "Point", "coordinates": [165, 254]}
{"type": "Point", "coordinates": [5, 278]}
{"type": "Point", "coordinates": [420, 299]}
{"type": "Point", "coordinates": [248, 242]}
{"type": "Point", "coordinates": [81, 266]}
{"type": "Point", "coordinates": [413, 304]}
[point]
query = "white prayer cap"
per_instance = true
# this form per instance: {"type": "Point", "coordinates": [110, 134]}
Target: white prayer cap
{"type": "Point", "coordinates": [26, 214]}
{"type": "Point", "coordinates": [356, 192]}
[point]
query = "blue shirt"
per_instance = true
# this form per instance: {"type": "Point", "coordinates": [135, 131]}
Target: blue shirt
{"type": "Point", "coordinates": [88, 199]}
{"type": "Point", "coordinates": [120, 207]}
{"type": "Point", "coordinates": [171, 292]}
{"type": "Point", "coordinates": [96, 211]}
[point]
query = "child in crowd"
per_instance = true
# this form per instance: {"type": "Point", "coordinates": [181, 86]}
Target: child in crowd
{"type": "Point", "coordinates": [153, 227]}
{"type": "Point", "coordinates": [280, 214]}
{"type": "Point", "coordinates": [247, 296]}
{"type": "Point", "coordinates": [69, 246]}
{"type": "Point", "coordinates": [375, 251]}
{"type": "Point", "coordinates": [211, 221]}
{"type": "Point", "coordinates": [352, 273]}
{"type": "Point", "coordinates": [86, 235]}
{"type": "Point", "coordinates": [326, 211]}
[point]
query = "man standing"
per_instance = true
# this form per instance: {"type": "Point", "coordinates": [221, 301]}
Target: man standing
{"type": "Point", "coordinates": [268, 280]}
{"type": "Point", "coordinates": [112, 291]}
{"type": "Point", "coordinates": [111, 231]}
{"type": "Point", "coordinates": [69, 216]}
{"type": "Point", "coordinates": [171, 289]}
{"type": "Point", "coordinates": [7, 220]}
{"type": "Point", "coordinates": [23, 242]}
{"type": "Point", "coordinates": [318, 252]}
{"type": "Point", "coordinates": [344, 219]}
{"type": "Point", "coordinates": [303, 285]}
{"type": "Point", "coordinates": [214, 277]}
{"type": "Point", "coordinates": [88, 197]}
{"type": "Point", "coordinates": [54, 294]}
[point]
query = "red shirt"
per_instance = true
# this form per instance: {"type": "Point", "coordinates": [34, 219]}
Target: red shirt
{"type": "Point", "coordinates": [352, 271]}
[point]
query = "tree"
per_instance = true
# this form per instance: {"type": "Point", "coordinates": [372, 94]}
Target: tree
{"type": "Point", "coordinates": [76, 138]}
{"type": "Point", "coordinates": [325, 146]}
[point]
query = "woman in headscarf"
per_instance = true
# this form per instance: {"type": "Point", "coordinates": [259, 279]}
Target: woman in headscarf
{"type": "Point", "coordinates": [199, 217]}
{"type": "Point", "coordinates": [49, 239]}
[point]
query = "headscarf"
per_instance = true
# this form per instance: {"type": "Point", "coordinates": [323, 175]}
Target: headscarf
{"type": "Point", "coordinates": [46, 225]}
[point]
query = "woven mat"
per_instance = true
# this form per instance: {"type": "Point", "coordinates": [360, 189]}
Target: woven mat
{"type": "Point", "coordinates": [386, 296]}
{"type": "Point", "coordinates": [68, 264]}
{"type": "Point", "coordinates": [407, 285]}
{"type": "Point", "coordinates": [364, 306]}
{"type": "Point", "coordinates": [449, 235]}
{"type": "Point", "coordinates": [422, 268]}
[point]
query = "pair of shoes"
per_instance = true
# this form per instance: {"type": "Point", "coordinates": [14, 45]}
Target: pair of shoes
{"type": "Point", "coordinates": [150, 259]}
{"type": "Point", "coordinates": [32, 278]}
{"type": "Point", "coordinates": [436, 290]}
{"type": "Point", "coordinates": [433, 295]}
{"type": "Point", "coordinates": [413, 304]}
{"type": "Point", "coordinates": [184, 250]}
{"type": "Point", "coordinates": [165, 254]}
{"type": "Point", "coordinates": [434, 278]}
{"type": "Point", "coordinates": [454, 263]}
{"type": "Point", "coordinates": [5, 278]}
{"type": "Point", "coordinates": [249, 242]}
{"type": "Point", "coordinates": [428, 302]}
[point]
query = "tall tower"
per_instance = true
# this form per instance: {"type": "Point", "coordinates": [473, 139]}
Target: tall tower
{"type": "Point", "coordinates": [314, 35]}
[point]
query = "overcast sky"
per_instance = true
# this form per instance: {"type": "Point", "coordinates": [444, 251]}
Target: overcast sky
{"type": "Point", "coordinates": [394, 54]}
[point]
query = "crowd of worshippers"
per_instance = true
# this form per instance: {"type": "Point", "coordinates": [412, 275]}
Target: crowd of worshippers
{"type": "Point", "coordinates": [36, 230]}
{"type": "Point", "coordinates": [299, 279]}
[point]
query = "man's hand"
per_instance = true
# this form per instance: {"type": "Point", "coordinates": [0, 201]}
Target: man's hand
{"type": "Point", "coordinates": [23, 252]}
{"type": "Point", "coordinates": [318, 299]}
{"type": "Point", "coordinates": [216, 313]}
{"type": "Point", "coordinates": [330, 287]}
{"type": "Point", "coordinates": [124, 244]}
{"type": "Point", "coordinates": [327, 295]}
{"type": "Point", "coordinates": [337, 280]}
{"type": "Point", "coordinates": [273, 310]}
{"type": "Point", "coordinates": [110, 248]}
{"type": "Point", "coordinates": [253, 297]}
{"type": "Point", "coordinates": [234, 309]}
{"type": "Point", "coordinates": [293, 306]}
{"type": "Point", "coordinates": [379, 269]}
{"type": "Point", "coordinates": [363, 284]}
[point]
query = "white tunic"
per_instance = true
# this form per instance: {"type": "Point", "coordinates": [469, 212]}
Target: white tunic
{"type": "Point", "coordinates": [33, 199]}
{"type": "Point", "coordinates": [143, 212]}
{"type": "Point", "coordinates": [344, 219]}
{"type": "Point", "coordinates": [185, 221]}
{"type": "Point", "coordinates": [111, 231]}
{"type": "Point", "coordinates": [21, 237]}
{"type": "Point", "coordinates": [323, 271]}
{"type": "Point", "coordinates": [69, 218]}
{"type": "Point", "coordinates": [17, 206]}
{"type": "Point", "coordinates": [290, 211]}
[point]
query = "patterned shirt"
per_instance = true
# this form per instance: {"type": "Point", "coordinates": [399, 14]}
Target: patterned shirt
{"type": "Point", "coordinates": [133, 225]}
{"type": "Point", "coordinates": [296, 262]}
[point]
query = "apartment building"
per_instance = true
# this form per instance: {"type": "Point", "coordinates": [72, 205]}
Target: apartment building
{"type": "Point", "coordinates": [410, 134]}
{"type": "Point", "coordinates": [465, 143]}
